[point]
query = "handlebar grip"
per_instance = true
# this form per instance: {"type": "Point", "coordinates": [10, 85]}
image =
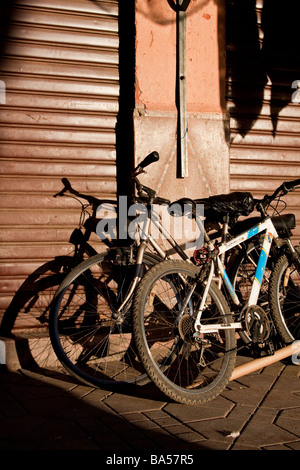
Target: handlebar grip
{"type": "Point", "coordinates": [151, 158]}
{"type": "Point", "coordinates": [161, 201]}
{"type": "Point", "coordinates": [289, 185]}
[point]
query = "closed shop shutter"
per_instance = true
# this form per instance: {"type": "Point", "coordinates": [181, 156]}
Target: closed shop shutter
{"type": "Point", "coordinates": [262, 64]}
{"type": "Point", "coordinates": [59, 67]}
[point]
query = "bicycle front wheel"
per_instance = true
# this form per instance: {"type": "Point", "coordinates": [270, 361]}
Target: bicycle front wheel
{"type": "Point", "coordinates": [188, 368]}
{"type": "Point", "coordinates": [90, 337]}
{"type": "Point", "coordinates": [285, 297]}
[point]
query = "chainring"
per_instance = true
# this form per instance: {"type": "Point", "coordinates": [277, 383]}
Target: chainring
{"type": "Point", "coordinates": [257, 324]}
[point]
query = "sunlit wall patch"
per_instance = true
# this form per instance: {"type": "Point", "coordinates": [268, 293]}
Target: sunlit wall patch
{"type": "Point", "coordinates": [2, 92]}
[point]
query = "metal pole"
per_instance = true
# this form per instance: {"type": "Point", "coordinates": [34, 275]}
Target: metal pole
{"type": "Point", "coordinates": [256, 364]}
{"type": "Point", "coordinates": [181, 85]}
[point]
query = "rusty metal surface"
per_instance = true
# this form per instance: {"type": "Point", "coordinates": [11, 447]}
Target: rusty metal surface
{"type": "Point", "coordinates": [60, 67]}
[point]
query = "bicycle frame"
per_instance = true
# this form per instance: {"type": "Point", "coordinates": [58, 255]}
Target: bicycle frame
{"type": "Point", "coordinates": [270, 234]}
{"type": "Point", "coordinates": [146, 239]}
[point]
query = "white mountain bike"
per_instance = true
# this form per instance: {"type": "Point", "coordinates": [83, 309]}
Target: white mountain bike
{"type": "Point", "coordinates": [185, 331]}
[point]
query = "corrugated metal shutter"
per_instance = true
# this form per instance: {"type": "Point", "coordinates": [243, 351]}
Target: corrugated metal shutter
{"type": "Point", "coordinates": [60, 68]}
{"type": "Point", "coordinates": [262, 63]}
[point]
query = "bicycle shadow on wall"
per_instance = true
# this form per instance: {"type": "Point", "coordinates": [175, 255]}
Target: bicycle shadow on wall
{"type": "Point", "coordinates": [26, 319]}
{"type": "Point", "coordinates": [262, 59]}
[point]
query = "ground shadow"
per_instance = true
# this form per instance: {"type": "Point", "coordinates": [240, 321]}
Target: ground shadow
{"type": "Point", "coordinates": [57, 416]}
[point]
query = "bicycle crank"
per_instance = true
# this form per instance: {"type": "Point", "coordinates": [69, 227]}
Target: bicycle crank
{"type": "Point", "coordinates": [257, 324]}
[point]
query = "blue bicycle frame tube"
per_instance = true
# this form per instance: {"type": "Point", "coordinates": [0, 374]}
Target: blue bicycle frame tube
{"type": "Point", "coordinates": [262, 261]}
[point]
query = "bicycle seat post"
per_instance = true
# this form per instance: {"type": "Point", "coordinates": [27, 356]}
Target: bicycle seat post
{"type": "Point", "coordinates": [224, 234]}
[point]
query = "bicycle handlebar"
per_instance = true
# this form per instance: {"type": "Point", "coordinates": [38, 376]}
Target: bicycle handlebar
{"type": "Point", "coordinates": [146, 195]}
{"type": "Point", "coordinates": [284, 188]}
{"type": "Point", "coordinates": [151, 158]}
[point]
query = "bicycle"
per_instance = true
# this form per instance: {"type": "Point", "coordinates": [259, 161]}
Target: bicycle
{"type": "Point", "coordinates": [90, 321]}
{"type": "Point", "coordinates": [243, 263]}
{"type": "Point", "coordinates": [184, 330]}
{"type": "Point", "coordinates": [222, 213]}
{"type": "Point", "coordinates": [26, 318]}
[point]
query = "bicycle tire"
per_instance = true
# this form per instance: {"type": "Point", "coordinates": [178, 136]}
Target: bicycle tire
{"type": "Point", "coordinates": [167, 350]}
{"type": "Point", "coordinates": [26, 319]}
{"type": "Point", "coordinates": [93, 346]}
{"type": "Point", "coordinates": [284, 296]}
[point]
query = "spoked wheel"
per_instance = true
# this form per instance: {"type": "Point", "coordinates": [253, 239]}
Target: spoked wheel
{"type": "Point", "coordinates": [187, 367]}
{"type": "Point", "coordinates": [91, 339]}
{"type": "Point", "coordinates": [242, 272]}
{"type": "Point", "coordinates": [26, 319]}
{"type": "Point", "coordinates": [285, 297]}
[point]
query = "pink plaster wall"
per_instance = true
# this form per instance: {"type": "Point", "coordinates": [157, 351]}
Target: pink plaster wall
{"type": "Point", "coordinates": [155, 116]}
{"type": "Point", "coordinates": [156, 55]}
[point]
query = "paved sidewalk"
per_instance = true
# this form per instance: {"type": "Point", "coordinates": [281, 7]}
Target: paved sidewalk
{"type": "Point", "coordinates": [51, 411]}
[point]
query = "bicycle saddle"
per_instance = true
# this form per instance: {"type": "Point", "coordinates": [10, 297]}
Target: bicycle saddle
{"type": "Point", "coordinates": [218, 208]}
{"type": "Point", "coordinates": [233, 204]}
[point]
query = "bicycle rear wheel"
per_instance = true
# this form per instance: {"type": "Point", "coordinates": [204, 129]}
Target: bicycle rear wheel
{"type": "Point", "coordinates": [186, 369]}
{"type": "Point", "coordinates": [90, 339]}
{"type": "Point", "coordinates": [26, 319]}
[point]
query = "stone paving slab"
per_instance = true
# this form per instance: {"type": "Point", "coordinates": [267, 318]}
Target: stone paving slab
{"type": "Point", "coordinates": [40, 411]}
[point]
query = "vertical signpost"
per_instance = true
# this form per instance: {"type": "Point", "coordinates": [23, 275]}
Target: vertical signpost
{"type": "Point", "coordinates": [181, 88]}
